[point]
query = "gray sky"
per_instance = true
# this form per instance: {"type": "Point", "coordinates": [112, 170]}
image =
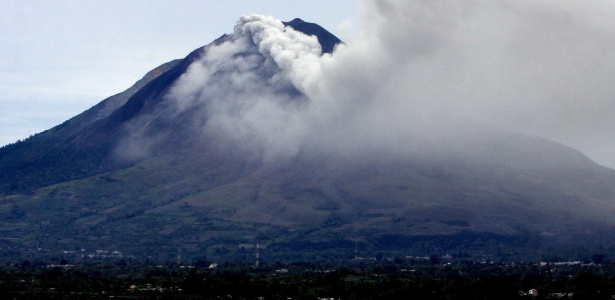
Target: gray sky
{"type": "Point", "coordinates": [538, 67]}
{"type": "Point", "coordinates": [58, 58]}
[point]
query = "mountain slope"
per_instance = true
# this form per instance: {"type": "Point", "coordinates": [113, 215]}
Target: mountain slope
{"type": "Point", "coordinates": [152, 169]}
{"type": "Point", "coordinates": [40, 159]}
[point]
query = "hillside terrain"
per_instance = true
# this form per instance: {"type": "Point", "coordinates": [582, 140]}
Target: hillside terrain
{"type": "Point", "coordinates": [137, 174]}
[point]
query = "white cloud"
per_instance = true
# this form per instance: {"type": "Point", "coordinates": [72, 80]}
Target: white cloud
{"type": "Point", "coordinates": [97, 49]}
{"type": "Point", "coordinates": [536, 67]}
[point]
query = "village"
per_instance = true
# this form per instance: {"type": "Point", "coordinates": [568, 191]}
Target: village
{"type": "Point", "coordinates": [105, 274]}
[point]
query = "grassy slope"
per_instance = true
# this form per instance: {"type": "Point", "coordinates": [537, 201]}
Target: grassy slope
{"type": "Point", "coordinates": [177, 200]}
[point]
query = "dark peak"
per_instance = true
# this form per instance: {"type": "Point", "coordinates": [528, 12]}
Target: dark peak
{"type": "Point", "coordinates": [296, 21]}
{"type": "Point", "coordinates": [327, 40]}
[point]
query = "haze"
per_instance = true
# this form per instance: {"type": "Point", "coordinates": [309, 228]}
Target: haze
{"type": "Point", "coordinates": [413, 71]}
{"type": "Point", "coordinates": [540, 68]}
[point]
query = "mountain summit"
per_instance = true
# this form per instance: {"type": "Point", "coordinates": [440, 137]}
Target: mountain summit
{"type": "Point", "coordinates": [240, 143]}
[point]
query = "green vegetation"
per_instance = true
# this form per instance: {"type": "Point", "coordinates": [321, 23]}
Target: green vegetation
{"type": "Point", "coordinates": [167, 204]}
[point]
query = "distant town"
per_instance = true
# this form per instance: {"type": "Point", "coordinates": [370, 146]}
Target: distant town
{"type": "Point", "coordinates": [105, 274]}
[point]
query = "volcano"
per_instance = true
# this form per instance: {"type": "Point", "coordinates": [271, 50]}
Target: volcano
{"type": "Point", "coordinates": [207, 155]}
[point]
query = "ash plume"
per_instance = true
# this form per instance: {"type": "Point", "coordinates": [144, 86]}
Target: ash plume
{"type": "Point", "coordinates": [418, 73]}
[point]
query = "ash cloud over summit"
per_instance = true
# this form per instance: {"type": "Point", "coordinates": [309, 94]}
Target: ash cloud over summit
{"type": "Point", "coordinates": [415, 71]}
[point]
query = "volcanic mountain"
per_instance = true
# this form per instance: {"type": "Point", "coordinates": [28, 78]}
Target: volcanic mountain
{"type": "Point", "coordinates": [179, 162]}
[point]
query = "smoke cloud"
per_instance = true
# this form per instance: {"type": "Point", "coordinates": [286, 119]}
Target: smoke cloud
{"type": "Point", "coordinates": [416, 71]}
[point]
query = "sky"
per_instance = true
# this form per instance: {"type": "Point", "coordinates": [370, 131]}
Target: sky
{"type": "Point", "coordinates": [537, 67]}
{"type": "Point", "coordinates": [59, 58]}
